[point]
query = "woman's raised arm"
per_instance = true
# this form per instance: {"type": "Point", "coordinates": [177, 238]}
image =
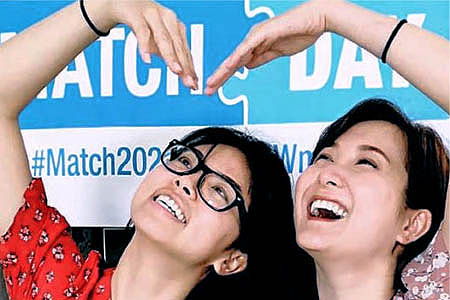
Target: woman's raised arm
{"type": "Point", "coordinates": [420, 56]}
{"type": "Point", "coordinates": [32, 58]}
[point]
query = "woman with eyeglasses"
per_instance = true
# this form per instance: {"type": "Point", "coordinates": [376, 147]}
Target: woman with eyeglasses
{"type": "Point", "coordinates": [375, 195]}
{"type": "Point", "coordinates": [201, 211]}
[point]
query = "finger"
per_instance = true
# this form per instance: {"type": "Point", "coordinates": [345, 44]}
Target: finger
{"type": "Point", "coordinates": [240, 57]}
{"type": "Point", "coordinates": [191, 68]}
{"type": "Point", "coordinates": [220, 76]}
{"type": "Point", "coordinates": [170, 21]}
{"type": "Point", "coordinates": [163, 41]}
{"type": "Point", "coordinates": [143, 36]}
{"type": "Point", "coordinates": [263, 47]}
{"type": "Point", "coordinates": [262, 59]}
{"type": "Point", "coordinates": [253, 40]}
{"type": "Point", "coordinates": [226, 70]}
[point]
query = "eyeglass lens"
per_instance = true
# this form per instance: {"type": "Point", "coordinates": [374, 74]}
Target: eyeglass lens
{"type": "Point", "coordinates": [214, 189]}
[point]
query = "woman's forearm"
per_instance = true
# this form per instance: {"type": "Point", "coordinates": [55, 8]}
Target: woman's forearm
{"type": "Point", "coordinates": [31, 59]}
{"type": "Point", "coordinates": [420, 56]}
{"type": "Point", "coordinates": [27, 63]}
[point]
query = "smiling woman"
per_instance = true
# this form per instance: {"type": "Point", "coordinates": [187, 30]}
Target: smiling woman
{"type": "Point", "coordinates": [375, 195]}
{"type": "Point", "coordinates": [389, 176]}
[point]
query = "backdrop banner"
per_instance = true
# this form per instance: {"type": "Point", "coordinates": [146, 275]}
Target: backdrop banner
{"type": "Point", "coordinates": [101, 125]}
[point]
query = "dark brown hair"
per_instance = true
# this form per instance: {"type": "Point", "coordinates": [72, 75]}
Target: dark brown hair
{"type": "Point", "coordinates": [427, 164]}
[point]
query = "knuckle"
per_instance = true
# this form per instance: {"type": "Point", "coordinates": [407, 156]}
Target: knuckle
{"type": "Point", "coordinates": [254, 29]}
{"type": "Point", "coordinates": [182, 27]}
{"type": "Point", "coordinates": [164, 38]}
{"type": "Point", "coordinates": [228, 68]}
{"type": "Point", "coordinates": [170, 14]}
{"type": "Point", "coordinates": [151, 12]}
{"type": "Point", "coordinates": [143, 34]}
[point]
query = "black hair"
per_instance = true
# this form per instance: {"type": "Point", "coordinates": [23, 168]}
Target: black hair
{"type": "Point", "coordinates": [277, 267]}
{"type": "Point", "coordinates": [268, 234]}
{"type": "Point", "coordinates": [264, 164]}
{"type": "Point", "coordinates": [426, 164]}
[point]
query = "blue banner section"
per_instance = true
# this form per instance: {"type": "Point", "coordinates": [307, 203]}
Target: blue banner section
{"type": "Point", "coordinates": [109, 85]}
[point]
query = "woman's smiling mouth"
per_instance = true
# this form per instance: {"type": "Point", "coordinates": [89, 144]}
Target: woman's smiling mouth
{"type": "Point", "coordinates": [171, 206]}
{"type": "Point", "coordinates": [325, 209]}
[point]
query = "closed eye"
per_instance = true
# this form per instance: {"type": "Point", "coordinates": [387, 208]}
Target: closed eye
{"type": "Point", "coordinates": [367, 162]}
{"type": "Point", "coordinates": [323, 156]}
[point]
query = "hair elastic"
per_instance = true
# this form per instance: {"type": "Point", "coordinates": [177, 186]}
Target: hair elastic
{"type": "Point", "coordinates": [89, 22]}
{"type": "Point", "coordinates": [391, 38]}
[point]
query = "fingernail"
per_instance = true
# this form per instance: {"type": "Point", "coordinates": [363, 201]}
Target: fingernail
{"type": "Point", "coordinates": [194, 83]}
{"type": "Point", "coordinates": [146, 57]}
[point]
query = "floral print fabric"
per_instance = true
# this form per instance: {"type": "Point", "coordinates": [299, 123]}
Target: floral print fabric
{"type": "Point", "coordinates": [427, 276]}
{"type": "Point", "coordinates": [40, 260]}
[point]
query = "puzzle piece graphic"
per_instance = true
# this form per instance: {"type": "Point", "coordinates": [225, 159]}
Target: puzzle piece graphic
{"type": "Point", "coordinates": [273, 93]}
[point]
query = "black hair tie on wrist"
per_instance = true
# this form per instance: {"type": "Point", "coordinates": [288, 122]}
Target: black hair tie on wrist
{"type": "Point", "coordinates": [391, 38]}
{"type": "Point", "coordinates": [89, 22]}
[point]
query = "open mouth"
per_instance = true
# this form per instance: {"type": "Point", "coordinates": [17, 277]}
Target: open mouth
{"type": "Point", "coordinates": [329, 210]}
{"type": "Point", "coordinates": [171, 206]}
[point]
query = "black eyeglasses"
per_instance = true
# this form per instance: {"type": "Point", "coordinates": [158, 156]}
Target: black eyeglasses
{"type": "Point", "coordinates": [217, 190]}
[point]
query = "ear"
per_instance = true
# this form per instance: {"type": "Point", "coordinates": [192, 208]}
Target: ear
{"type": "Point", "coordinates": [231, 262]}
{"type": "Point", "coordinates": [417, 223]}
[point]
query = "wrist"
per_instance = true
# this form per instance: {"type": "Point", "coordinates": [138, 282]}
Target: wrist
{"type": "Point", "coordinates": [100, 14]}
{"type": "Point", "coordinates": [329, 11]}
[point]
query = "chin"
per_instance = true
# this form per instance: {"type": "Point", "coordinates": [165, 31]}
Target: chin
{"type": "Point", "coordinates": [311, 242]}
{"type": "Point", "coordinates": [320, 244]}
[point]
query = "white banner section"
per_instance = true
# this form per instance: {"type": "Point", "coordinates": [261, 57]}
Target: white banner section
{"type": "Point", "coordinates": [91, 174]}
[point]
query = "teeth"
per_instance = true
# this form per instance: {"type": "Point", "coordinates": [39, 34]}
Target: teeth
{"type": "Point", "coordinates": [328, 205]}
{"type": "Point", "coordinates": [178, 212]}
{"type": "Point", "coordinates": [171, 206]}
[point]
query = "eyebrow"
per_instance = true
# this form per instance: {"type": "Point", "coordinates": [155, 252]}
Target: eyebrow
{"type": "Point", "coordinates": [374, 149]}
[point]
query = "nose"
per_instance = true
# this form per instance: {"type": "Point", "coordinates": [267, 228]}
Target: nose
{"type": "Point", "coordinates": [187, 185]}
{"type": "Point", "coordinates": [330, 178]}
{"type": "Point", "coordinates": [185, 188]}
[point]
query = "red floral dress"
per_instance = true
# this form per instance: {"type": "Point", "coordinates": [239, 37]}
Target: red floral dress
{"type": "Point", "coordinates": [40, 259]}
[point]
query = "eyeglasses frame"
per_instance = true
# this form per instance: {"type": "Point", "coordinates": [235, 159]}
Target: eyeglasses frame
{"type": "Point", "coordinates": [201, 166]}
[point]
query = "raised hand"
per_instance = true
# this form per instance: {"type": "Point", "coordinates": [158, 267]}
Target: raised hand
{"type": "Point", "coordinates": [159, 32]}
{"type": "Point", "coordinates": [283, 35]}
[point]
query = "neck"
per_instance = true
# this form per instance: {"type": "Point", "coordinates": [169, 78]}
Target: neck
{"type": "Point", "coordinates": [354, 280]}
{"type": "Point", "coordinates": [148, 272]}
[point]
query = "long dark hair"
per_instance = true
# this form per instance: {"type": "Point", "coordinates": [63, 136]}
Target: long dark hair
{"type": "Point", "coordinates": [268, 235]}
{"type": "Point", "coordinates": [276, 266]}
